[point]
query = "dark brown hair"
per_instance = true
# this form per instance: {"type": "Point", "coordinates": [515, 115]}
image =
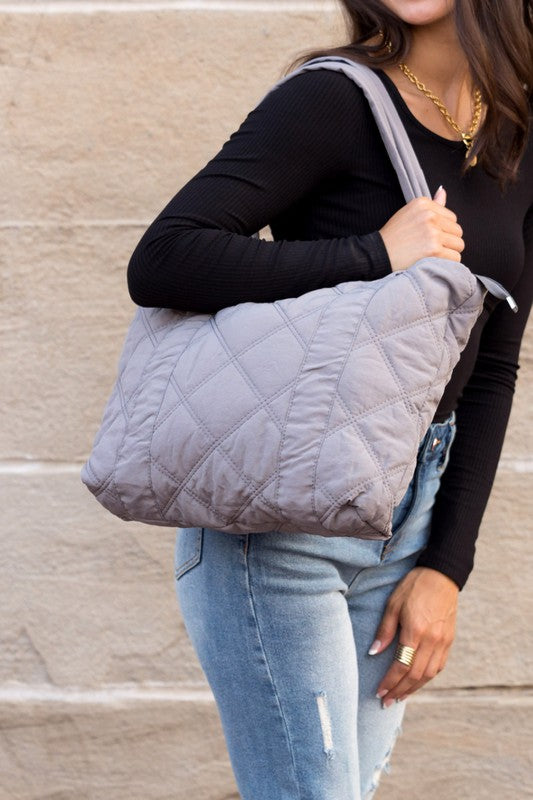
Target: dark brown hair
{"type": "Point", "coordinates": [497, 38]}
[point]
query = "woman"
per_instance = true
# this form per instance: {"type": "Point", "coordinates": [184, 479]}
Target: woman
{"type": "Point", "coordinates": [297, 634]}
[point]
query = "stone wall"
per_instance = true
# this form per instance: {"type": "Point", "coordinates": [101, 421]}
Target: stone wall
{"type": "Point", "coordinates": [107, 108]}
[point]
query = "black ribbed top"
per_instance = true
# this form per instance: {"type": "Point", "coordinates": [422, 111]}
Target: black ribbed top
{"type": "Point", "coordinates": [309, 162]}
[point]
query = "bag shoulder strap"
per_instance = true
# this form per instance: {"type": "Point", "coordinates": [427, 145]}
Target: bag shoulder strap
{"type": "Point", "coordinates": [403, 157]}
{"type": "Point", "coordinates": [395, 138]}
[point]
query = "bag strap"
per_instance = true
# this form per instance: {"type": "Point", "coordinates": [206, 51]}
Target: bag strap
{"type": "Point", "coordinates": [403, 157]}
{"type": "Point", "coordinates": [410, 175]}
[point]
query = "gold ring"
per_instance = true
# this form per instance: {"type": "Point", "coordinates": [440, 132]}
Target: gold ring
{"type": "Point", "coordinates": [405, 655]}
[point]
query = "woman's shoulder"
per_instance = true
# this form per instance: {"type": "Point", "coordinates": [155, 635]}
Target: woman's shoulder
{"type": "Point", "coordinates": [321, 88]}
{"type": "Point", "coordinates": [319, 111]}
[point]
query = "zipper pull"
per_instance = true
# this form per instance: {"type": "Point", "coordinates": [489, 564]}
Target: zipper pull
{"type": "Point", "coordinates": [510, 299]}
{"type": "Point", "coordinates": [499, 291]}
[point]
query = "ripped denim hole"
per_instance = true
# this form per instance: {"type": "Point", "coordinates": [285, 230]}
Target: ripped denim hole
{"type": "Point", "coordinates": [325, 723]}
{"type": "Point", "coordinates": [383, 767]}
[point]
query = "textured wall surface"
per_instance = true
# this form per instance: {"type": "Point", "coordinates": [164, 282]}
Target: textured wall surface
{"type": "Point", "coordinates": [107, 109]}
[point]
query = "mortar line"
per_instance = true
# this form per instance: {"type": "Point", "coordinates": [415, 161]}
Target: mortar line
{"type": "Point", "coordinates": [81, 223]}
{"type": "Point", "coordinates": [30, 467]}
{"type": "Point", "coordinates": [18, 224]}
{"type": "Point", "coordinates": [522, 465]}
{"type": "Point", "coordinates": [105, 694]}
{"type": "Point", "coordinates": [98, 7]}
{"type": "Point", "coordinates": [116, 693]}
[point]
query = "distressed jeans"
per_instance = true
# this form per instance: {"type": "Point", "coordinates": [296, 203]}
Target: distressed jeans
{"type": "Point", "coordinates": [282, 625]}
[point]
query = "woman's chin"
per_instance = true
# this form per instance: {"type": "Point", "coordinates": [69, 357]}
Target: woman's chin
{"type": "Point", "coordinates": [420, 12]}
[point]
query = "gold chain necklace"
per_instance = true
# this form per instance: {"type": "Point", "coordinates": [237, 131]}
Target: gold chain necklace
{"type": "Point", "coordinates": [466, 136]}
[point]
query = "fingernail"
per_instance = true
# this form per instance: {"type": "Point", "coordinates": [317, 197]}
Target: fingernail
{"type": "Point", "coordinates": [440, 189]}
{"type": "Point", "coordinates": [388, 703]}
{"type": "Point", "coordinates": [375, 648]}
{"type": "Point", "coordinates": [381, 694]}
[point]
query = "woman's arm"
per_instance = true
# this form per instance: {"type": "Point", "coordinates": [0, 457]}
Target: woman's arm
{"type": "Point", "coordinates": [424, 603]}
{"type": "Point", "coordinates": [482, 417]}
{"type": "Point", "coordinates": [198, 255]}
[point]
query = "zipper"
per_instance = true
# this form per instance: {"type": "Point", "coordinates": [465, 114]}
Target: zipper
{"type": "Point", "coordinates": [495, 288]}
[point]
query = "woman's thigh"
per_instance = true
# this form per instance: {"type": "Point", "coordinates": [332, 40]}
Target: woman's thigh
{"type": "Point", "coordinates": [369, 592]}
{"type": "Point", "coordinates": [282, 624]}
{"type": "Point", "coordinates": [367, 596]}
{"type": "Point", "coordinates": [269, 617]}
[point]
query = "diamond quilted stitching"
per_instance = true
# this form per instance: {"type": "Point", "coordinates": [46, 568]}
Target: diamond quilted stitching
{"type": "Point", "coordinates": [385, 360]}
{"type": "Point", "coordinates": [217, 443]}
{"type": "Point", "coordinates": [297, 322]}
{"type": "Point", "coordinates": [213, 375]}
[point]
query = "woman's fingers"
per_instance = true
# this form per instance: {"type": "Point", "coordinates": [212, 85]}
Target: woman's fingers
{"type": "Point", "coordinates": [421, 229]}
{"type": "Point", "coordinates": [444, 215]}
{"type": "Point", "coordinates": [440, 196]}
{"type": "Point", "coordinates": [452, 242]}
{"type": "Point", "coordinates": [425, 602]}
{"type": "Point", "coordinates": [448, 226]}
{"type": "Point", "coordinates": [452, 249]}
{"type": "Point", "coordinates": [427, 669]}
{"type": "Point", "coordinates": [436, 664]}
{"type": "Point", "coordinates": [402, 680]}
{"type": "Point", "coordinates": [397, 676]}
{"type": "Point", "coordinates": [387, 629]}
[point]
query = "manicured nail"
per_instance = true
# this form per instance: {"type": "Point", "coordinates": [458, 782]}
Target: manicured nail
{"type": "Point", "coordinates": [388, 703]}
{"type": "Point", "coordinates": [438, 192]}
{"type": "Point", "coordinates": [375, 648]}
{"type": "Point", "coordinates": [381, 694]}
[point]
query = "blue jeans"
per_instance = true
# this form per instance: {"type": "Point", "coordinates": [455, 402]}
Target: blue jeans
{"type": "Point", "coordinates": [282, 624]}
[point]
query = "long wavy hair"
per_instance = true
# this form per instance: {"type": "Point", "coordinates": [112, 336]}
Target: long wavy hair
{"type": "Point", "coordinates": [497, 39]}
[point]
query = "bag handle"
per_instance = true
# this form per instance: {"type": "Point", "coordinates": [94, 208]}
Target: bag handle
{"type": "Point", "coordinates": [403, 157]}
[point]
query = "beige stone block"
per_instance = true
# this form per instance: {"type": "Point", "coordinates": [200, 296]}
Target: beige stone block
{"type": "Point", "coordinates": [464, 745]}
{"type": "Point", "coordinates": [107, 115]}
{"type": "Point", "coordinates": [113, 748]}
{"type": "Point", "coordinates": [493, 646]}
{"type": "Point", "coordinates": [64, 311]}
{"type": "Point", "coordinates": [461, 745]}
{"type": "Point", "coordinates": [519, 437]}
{"type": "Point", "coordinates": [86, 598]}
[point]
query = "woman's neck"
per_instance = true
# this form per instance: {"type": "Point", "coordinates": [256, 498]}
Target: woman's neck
{"type": "Point", "coordinates": [438, 60]}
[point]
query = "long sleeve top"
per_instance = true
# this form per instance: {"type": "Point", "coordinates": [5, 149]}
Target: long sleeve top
{"type": "Point", "coordinates": [308, 161]}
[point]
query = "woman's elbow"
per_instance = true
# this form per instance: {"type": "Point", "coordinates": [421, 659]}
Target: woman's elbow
{"type": "Point", "coordinates": [135, 282]}
{"type": "Point", "coordinates": [138, 286]}
{"type": "Point", "coordinates": [150, 286]}
{"type": "Point", "coordinates": [144, 282]}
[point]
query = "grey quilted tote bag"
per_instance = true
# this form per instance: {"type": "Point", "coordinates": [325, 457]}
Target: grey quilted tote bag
{"type": "Point", "coordinates": [302, 415]}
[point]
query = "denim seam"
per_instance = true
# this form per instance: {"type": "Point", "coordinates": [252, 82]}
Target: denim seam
{"type": "Point", "coordinates": [269, 671]}
{"type": "Point", "coordinates": [194, 559]}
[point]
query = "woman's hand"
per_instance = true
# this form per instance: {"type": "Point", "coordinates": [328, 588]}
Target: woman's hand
{"type": "Point", "coordinates": [420, 229]}
{"type": "Point", "coordinates": [424, 604]}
